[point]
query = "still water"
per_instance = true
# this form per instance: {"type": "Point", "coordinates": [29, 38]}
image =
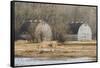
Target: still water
{"type": "Point", "coordinates": [38, 61]}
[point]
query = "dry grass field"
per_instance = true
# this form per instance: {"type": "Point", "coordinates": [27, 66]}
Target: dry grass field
{"type": "Point", "coordinates": [67, 49]}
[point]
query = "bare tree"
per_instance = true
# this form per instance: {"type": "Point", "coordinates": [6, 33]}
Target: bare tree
{"type": "Point", "coordinates": [43, 32]}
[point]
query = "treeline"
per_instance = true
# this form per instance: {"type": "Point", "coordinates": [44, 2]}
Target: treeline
{"type": "Point", "coordinates": [58, 17]}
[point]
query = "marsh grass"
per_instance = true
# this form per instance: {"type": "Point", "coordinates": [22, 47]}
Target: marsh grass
{"type": "Point", "coordinates": [67, 49]}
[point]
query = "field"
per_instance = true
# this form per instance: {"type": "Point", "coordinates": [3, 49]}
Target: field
{"type": "Point", "coordinates": [67, 49]}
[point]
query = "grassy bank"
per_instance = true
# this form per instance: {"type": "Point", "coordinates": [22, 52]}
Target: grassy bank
{"type": "Point", "coordinates": [66, 49]}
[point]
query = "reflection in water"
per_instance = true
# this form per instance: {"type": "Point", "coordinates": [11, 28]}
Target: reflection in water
{"type": "Point", "coordinates": [38, 61]}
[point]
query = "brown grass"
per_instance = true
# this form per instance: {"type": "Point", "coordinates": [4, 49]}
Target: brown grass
{"type": "Point", "coordinates": [67, 49]}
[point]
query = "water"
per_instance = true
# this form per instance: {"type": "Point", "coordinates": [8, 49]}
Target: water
{"type": "Point", "coordinates": [39, 61]}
